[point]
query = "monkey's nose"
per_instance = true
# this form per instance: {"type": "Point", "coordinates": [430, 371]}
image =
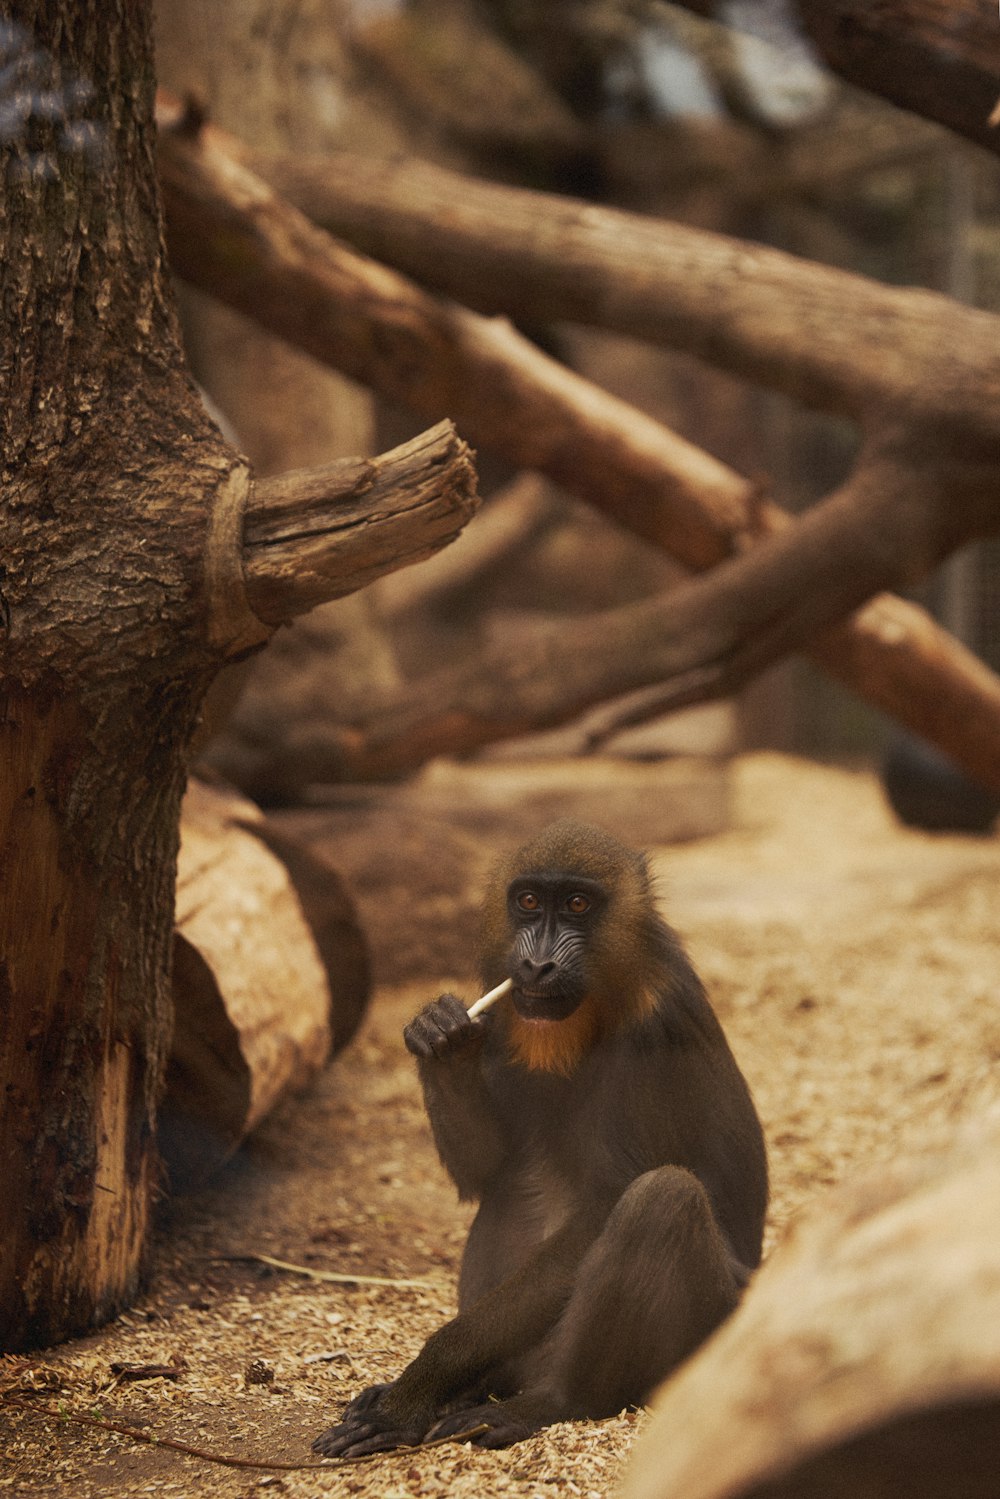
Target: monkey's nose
{"type": "Point", "coordinates": [532, 974]}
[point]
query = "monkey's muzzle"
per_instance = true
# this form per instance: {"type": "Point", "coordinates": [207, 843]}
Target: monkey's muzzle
{"type": "Point", "coordinates": [544, 1004]}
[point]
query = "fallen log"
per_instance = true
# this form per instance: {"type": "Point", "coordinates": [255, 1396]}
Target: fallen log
{"type": "Point", "coordinates": [270, 975]}
{"type": "Point", "coordinates": [416, 855]}
{"type": "Point", "coordinates": [864, 1359]}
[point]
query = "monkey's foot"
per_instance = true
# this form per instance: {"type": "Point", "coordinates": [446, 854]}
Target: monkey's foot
{"type": "Point", "coordinates": [498, 1423]}
{"type": "Point", "coordinates": [365, 1401]}
{"type": "Point", "coordinates": [368, 1424]}
{"type": "Point", "coordinates": [356, 1438]}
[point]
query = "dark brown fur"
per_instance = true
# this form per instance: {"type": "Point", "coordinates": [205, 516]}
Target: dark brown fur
{"type": "Point", "coordinates": [600, 1120]}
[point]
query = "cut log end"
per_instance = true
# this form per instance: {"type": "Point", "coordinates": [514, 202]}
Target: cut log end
{"type": "Point", "coordinates": [271, 974]}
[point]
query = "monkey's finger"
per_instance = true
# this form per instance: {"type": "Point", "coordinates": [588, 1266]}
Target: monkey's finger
{"type": "Point", "coordinates": [331, 1443]}
{"type": "Point", "coordinates": [424, 1037]}
{"type": "Point", "coordinates": [483, 1425]}
{"type": "Point", "coordinates": [439, 1028]}
{"type": "Point", "coordinates": [499, 1436]}
{"type": "Point", "coordinates": [453, 1425]}
{"type": "Point", "coordinates": [450, 1010]}
{"type": "Point", "coordinates": [451, 1016]}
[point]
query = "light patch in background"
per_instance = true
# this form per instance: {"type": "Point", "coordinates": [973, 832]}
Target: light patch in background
{"type": "Point", "coordinates": [778, 67]}
{"type": "Point", "coordinates": [371, 10]}
{"type": "Point", "coordinates": [675, 80]}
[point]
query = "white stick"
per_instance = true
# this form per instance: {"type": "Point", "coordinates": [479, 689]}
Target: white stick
{"type": "Point", "coordinates": [490, 998]}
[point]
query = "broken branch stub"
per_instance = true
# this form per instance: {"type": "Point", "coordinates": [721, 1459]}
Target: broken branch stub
{"type": "Point", "coordinates": [314, 535]}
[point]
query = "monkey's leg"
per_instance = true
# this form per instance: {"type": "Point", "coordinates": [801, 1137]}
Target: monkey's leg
{"type": "Point", "coordinates": [649, 1290]}
{"type": "Point", "coordinates": [657, 1282]}
{"type": "Point", "coordinates": [502, 1326]}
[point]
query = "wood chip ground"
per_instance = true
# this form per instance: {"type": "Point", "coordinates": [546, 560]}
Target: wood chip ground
{"type": "Point", "coordinates": [855, 966]}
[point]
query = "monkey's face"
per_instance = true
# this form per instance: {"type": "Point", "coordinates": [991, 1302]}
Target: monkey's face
{"type": "Point", "coordinates": [552, 918]}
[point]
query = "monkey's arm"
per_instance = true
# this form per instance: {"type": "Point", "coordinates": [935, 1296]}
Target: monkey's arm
{"type": "Point", "coordinates": [462, 1356]}
{"type": "Point", "coordinates": [448, 1047]}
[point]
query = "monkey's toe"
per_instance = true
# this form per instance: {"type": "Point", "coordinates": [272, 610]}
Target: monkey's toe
{"type": "Point", "coordinates": [365, 1401]}
{"type": "Point", "coordinates": [491, 1425]}
{"type": "Point", "coordinates": [359, 1438]}
{"type": "Point", "coordinates": [331, 1443]}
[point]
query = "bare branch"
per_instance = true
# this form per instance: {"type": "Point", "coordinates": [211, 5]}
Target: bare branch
{"type": "Point", "coordinates": [827, 337]}
{"type": "Point", "coordinates": [707, 637]}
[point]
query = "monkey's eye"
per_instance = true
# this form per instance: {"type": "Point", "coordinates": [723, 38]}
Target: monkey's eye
{"type": "Point", "coordinates": [577, 905]}
{"type": "Point", "coordinates": [528, 901]}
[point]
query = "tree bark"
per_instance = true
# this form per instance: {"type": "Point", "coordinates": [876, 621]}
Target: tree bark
{"type": "Point", "coordinates": [317, 534]}
{"type": "Point", "coordinates": [863, 1358]}
{"type": "Point", "coordinates": [121, 593]}
{"type": "Point", "coordinates": [103, 663]}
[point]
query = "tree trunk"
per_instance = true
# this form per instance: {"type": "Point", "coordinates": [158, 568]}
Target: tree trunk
{"type": "Point", "coordinates": [288, 411]}
{"type": "Point", "coordinates": [100, 534]}
{"type": "Point", "coordinates": [122, 590]}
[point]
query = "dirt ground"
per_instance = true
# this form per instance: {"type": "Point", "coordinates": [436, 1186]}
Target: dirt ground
{"type": "Point", "coordinates": [854, 965]}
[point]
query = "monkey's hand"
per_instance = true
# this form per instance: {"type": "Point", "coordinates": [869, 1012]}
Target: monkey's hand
{"type": "Point", "coordinates": [448, 1046]}
{"type": "Point", "coordinates": [443, 1029]}
{"type": "Point", "coordinates": [369, 1425]}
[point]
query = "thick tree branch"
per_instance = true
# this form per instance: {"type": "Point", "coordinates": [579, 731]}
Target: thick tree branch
{"type": "Point", "coordinates": [317, 534]}
{"type": "Point", "coordinates": [829, 338]}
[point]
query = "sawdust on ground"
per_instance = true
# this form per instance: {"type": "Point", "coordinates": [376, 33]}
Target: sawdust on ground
{"type": "Point", "coordinates": [854, 964]}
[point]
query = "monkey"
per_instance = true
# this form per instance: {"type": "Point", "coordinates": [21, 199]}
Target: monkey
{"type": "Point", "coordinates": [597, 1115]}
